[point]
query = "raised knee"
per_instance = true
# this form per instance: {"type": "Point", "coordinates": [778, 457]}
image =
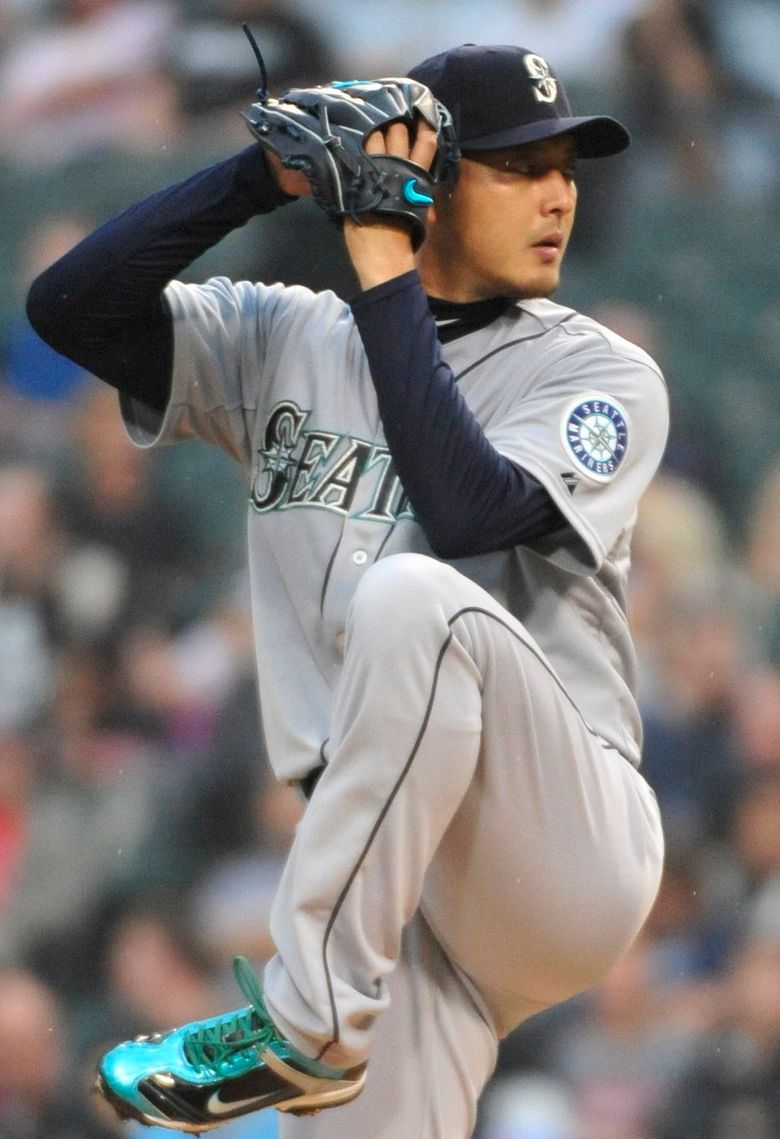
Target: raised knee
{"type": "Point", "coordinates": [402, 589]}
{"type": "Point", "coordinates": [402, 577]}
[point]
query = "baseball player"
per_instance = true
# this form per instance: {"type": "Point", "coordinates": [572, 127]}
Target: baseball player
{"type": "Point", "coordinates": [442, 477]}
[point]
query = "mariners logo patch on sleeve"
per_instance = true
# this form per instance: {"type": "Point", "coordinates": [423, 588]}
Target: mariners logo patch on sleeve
{"type": "Point", "coordinates": [595, 434]}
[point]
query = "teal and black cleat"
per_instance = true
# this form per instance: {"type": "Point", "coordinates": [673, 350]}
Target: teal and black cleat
{"type": "Point", "coordinates": [201, 1076]}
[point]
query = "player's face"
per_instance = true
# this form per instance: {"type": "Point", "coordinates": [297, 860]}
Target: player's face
{"type": "Point", "coordinates": [505, 229]}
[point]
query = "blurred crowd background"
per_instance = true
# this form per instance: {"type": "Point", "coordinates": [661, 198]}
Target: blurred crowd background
{"type": "Point", "coordinates": [140, 833]}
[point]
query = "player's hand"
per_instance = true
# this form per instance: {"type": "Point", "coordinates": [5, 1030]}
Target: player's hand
{"type": "Point", "coordinates": [290, 181]}
{"type": "Point", "coordinates": [394, 139]}
{"type": "Point", "coordinates": [381, 247]}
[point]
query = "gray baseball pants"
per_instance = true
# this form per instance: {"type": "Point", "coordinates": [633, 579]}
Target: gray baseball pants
{"type": "Point", "coordinates": [472, 854]}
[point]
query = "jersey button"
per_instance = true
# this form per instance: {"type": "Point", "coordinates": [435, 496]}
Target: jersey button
{"type": "Point", "coordinates": [360, 557]}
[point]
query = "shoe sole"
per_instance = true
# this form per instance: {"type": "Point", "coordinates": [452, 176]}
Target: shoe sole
{"type": "Point", "coordinates": [311, 1105]}
{"type": "Point", "coordinates": [316, 1097]}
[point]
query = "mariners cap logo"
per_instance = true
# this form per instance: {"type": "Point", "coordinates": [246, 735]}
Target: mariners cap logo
{"type": "Point", "coordinates": [595, 434]}
{"type": "Point", "coordinates": [545, 87]}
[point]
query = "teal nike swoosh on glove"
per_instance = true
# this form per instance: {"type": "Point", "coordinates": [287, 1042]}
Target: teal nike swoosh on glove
{"type": "Point", "coordinates": [413, 195]}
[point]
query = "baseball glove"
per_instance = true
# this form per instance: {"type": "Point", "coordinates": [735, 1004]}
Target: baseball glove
{"type": "Point", "coordinates": [321, 131]}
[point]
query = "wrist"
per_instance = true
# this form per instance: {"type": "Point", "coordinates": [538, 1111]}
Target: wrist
{"type": "Point", "coordinates": [379, 250]}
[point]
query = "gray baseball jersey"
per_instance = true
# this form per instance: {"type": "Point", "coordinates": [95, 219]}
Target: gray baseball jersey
{"type": "Point", "coordinates": [277, 377]}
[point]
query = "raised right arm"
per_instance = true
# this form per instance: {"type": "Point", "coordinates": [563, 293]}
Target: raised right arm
{"type": "Point", "coordinates": [103, 305]}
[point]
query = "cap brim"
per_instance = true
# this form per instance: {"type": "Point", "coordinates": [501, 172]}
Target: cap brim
{"type": "Point", "coordinates": [597, 136]}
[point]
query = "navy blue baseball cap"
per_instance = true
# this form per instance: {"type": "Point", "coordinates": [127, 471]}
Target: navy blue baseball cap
{"type": "Point", "coordinates": [500, 95]}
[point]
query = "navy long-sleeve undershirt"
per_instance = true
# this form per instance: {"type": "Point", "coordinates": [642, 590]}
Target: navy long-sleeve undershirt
{"type": "Point", "coordinates": [439, 450]}
{"type": "Point", "coordinates": [102, 305]}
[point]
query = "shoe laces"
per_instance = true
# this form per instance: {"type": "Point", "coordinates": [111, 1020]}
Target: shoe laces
{"type": "Point", "coordinates": [215, 1045]}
